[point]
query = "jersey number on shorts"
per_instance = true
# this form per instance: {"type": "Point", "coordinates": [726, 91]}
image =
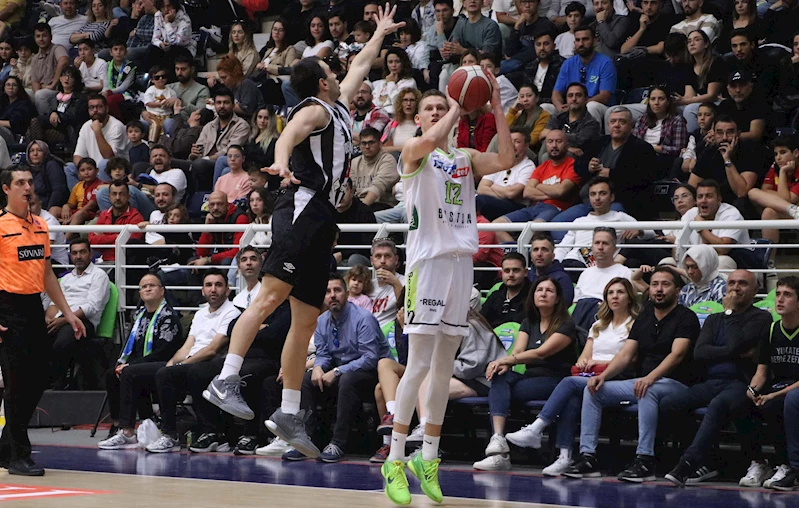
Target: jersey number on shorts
{"type": "Point", "coordinates": [453, 194]}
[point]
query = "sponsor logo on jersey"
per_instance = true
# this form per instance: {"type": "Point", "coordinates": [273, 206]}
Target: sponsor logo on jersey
{"type": "Point", "coordinates": [455, 218]}
{"type": "Point", "coordinates": [30, 252]}
{"type": "Point", "coordinates": [414, 224]}
{"type": "Point", "coordinates": [451, 168]}
{"type": "Point", "coordinates": [288, 267]}
{"type": "Point", "coordinates": [430, 302]}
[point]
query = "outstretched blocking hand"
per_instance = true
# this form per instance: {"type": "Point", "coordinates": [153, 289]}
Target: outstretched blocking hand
{"type": "Point", "coordinates": [284, 172]}
{"type": "Point", "coordinates": [385, 20]}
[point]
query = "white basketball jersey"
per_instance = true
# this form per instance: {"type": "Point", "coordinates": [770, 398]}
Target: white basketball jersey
{"type": "Point", "coordinates": [440, 202]}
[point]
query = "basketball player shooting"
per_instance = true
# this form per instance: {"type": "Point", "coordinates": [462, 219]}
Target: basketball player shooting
{"type": "Point", "coordinates": [313, 157]}
{"type": "Point", "coordinates": [440, 198]}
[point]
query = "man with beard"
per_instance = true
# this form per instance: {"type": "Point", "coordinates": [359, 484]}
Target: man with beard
{"type": "Point", "coordinates": [544, 70]}
{"type": "Point", "coordinates": [387, 283]}
{"type": "Point", "coordinates": [189, 94]}
{"type": "Point", "coordinates": [696, 20]}
{"type": "Point", "coordinates": [544, 264]}
{"type": "Point", "coordinates": [217, 135]}
{"type": "Point", "coordinates": [163, 172]}
{"type": "Point", "coordinates": [100, 138]}
{"type": "Point", "coordinates": [657, 349]}
{"type": "Point", "coordinates": [579, 126]}
{"type": "Point", "coordinates": [520, 48]}
{"type": "Point", "coordinates": [119, 214]}
{"type": "Point", "coordinates": [507, 304]}
{"type": "Point", "coordinates": [220, 212]}
{"type": "Point", "coordinates": [366, 114]}
{"type": "Point", "coordinates": [594, 70]}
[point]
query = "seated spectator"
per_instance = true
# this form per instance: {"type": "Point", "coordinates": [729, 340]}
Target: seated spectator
{"type": "Point", "coordinates": [656, 352]}
{"type": "Point", "coordinates": [98, 24]}
{"type": "Point", "coordinates": [190, 95]}
{"type": "Point", "coordinates": [410, 39]}
{"type": "Point", "coordinates": [528, 115]}
{"type": "Point", "coordinates": [374, 172]}
{"type": "Point", "coordinates": [643, 49]}
{"type": "Point", "coordinates": [580, 127]}
{"type": "Point", "coordinates": [507, 303]}
{"type": "Point", "coordinates": [396, 215]}
{"type": "Point", "coordinates": [67, 111]}
{"type": "Point", "coordinates": [258, 179]}
{"type": "Point", "coordinates": [86, 289]}
{"type": "Point", "coordinates": [147, 349]}
{"type": "Point", "coordinates": [208, 336]}
{"type": "Point", "coordinates": [185, 134]}
{"type": "Point", "coordinates": [6, 57]}
{"type": "Point", "coordinates": [298, 16]}
{"type": "Point", "coordinates": [780, 22]}
{"type": "Point", "coordinates": [521, 47]}
{"type": "Point", "coordinates": [81, 206]}
{"type": "Point", "coordinates": [100, 138]}
{"type": "Point", "coordinates": [697, 141]}
{"type": "Point", "coordinates": [46, 67]}
{"type": "Point", "coordinates": [59, 255]}
{"type": "Point", "coordinates": [489, 62]}
{"type": "Point", "coordinates": [242, 48]}
{"type": "Point", "coordinates": [142, 37]}
{"type": "Point", "coordinates": [611, 27]}
{"type": "Point", "coordinates": [545, 345]}
{"type": "Point", "coordinates": [120, 213]}
{"type": "Point", "coordinates": [765, 71]}
{"type": "Point", "coordinates": [593, 69]}
{"type": "Point", "coordinates": [745, 16]}
{"type": "Point", "coordinates": [746, 107]}
{"type": "Point", "coordinates": [695, 19]}
{"type": "Point", "coordinates": [164, 199]}
{"type": "Point", "coordinates": [349, 343]}
{"type": "Point", "coordinates": [220, 211]}
{"type": "Point", "coordinates": [119, 169]}
{"type": "Point", "coordinates": [171, 34]}
{"type": "Point", "coordinates": [544, 69]}
{"type": "Point", "coordinates": [139, 150]}
{"type": "Point", "coordinates": [260, 149]}
{"type": "Point", "coordinates": [93, 70]}
{"type": "Point", "coordinates": [69, 22]}
{"type": "Point", "coordinates": [24, 63]}
{"type": "Point", "coordinates": [387, 284]}
{"type": "Point", "coordinates": [574, 15]}
{"type": "Point", "coordinates": [246, 96]}
{"type": "Point", "coordinates": [319, 42]}
{"type": "Point", "coordinates": [700, 267]}
{"type": "Point", "coordinates": [772, 391]}
{"type": "Point", "coordinates": [787, 99]}
{"type": "Point", "coordinates": [662, 128]}
{"type": "Point", "coordinates": [722, 359]}
{"type": "Point", "coordinates": [236, 183]}
{"type": "Point", "coordinates": [16, 110]}
{"type": "Point", "coordinates": [366, 114]}
{"type": "Point", "coordinates": [551, 188]}
{"type": "Point", "coordinates": [711, 75]}
{"type": "Point", "coordinates": [501, 193]}
{"type": "Point", "coordinates": [737, 164]}
{"type": "Point", "coordinates": [352, 211]}
{"type": "Point", "coordinates": [359, 286]}
{"type": "Point", "coordinates": [169, 270]}
{"type": "Point", "coordinates": [121, 73]}
{"type": "Point", "coordinates": [49, 181]}
{"type": "Point", "coordinates": [678, 73]}
{"type": "Point", "coordinates": [606, 338]}
{"type": "Point", "coordinates": [277, 57]}
{"type": "Point", "coordinates": [155, 98]}
{"type": "Point", "coordinates": [261, 205]}
{"type": "Point", "coordinates": [476, 129]}
{"type": "Point", "coordinates": [544, 264]}
{"type": "Point", "coordinates": [163, 172]}
{"type": "Point", "coordinates": [403, 127]}
{"type": "Point", "coordinates": [397, 74]}
{"type": "Point", "coordinates": [587, 294]}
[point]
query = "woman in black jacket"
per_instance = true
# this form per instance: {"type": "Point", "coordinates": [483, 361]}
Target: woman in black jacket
{"type": "Point", "coordinates": [15, 110]}
{"type": "Point", "coordinates": [68, 111]}
{"type": "Point", "coordinates": [260, 150]}
{"type": "Point", "coordinates": [49, 179]}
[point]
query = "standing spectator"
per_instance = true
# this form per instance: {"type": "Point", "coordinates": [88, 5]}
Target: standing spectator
{"type": "Point", "coordinates": [93, 70]}
{"type": "Point", "coordinates": [501, 193]}
{"type": "Point", "coordinates": [99, 22]}
{"type": "Point", "coordinates": [68, 23]}
{"type": "Point", "coordinates": [67, 111]}
{"type": "Point", "coordinates": [171, 33]}
{"type": "Point", "coordinates": [189, 94]}
{"type": "Point", "coordinates": [46, 67]}
{"type": "Point", "coordinates": [403, 127]}
{"type": "Point", "coordinates": [521, 48]}
{"type": "Point", "coordinates": [695, 19]}
{"type": "Point", "coordinates": [580, 128]}
{"type": "Point", "coordinates": [374, 172]}
{"type": "Point", "coordinates": [397, 74]}
{"type": "Point", "coordinates": [711, 75]}
{"type": "Point", "coordinates": [119, 213]}
{"type": "Point", "coordinates": [507, 303]}
{"type": "Point", "coordinates": [15, 110]}
{"type": "Point", "coordinates": [662, 128]}
{"type": "Point", "coordinates": [366, 114]}
{"type": "Point", "coordinates": [49, 181]}
{"type": "Point", "coordinates": [611, 28]}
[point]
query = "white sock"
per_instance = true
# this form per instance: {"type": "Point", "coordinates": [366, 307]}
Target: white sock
{"type": "Point", "coordinates": [566, 453]}
{"type": "Point", "coordinates": [386, 440]}
{"type": "Point", "coordinates": [430, 447]}
{"type": "Point", "coordinates": [232, 366]}
{"type": "Point", "coordinates": [291, 401]}
{"type": "Point", "coordinates": [423, 421]}
{"type": "Point", "coordinates": [397, 446]}
{"type": "Point", "coordinates": [538, 426]}
{"type": "Point", "coordinates": [390, 405]}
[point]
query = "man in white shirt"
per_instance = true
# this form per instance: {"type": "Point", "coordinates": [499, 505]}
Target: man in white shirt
{"type": "Point", "coordinates": [164, 197]}
{"type": "Point", "coordinates": [93, 70]}
{"type": "Point", "coordinates": [68, 23]}
{"type": "Point", "coordinates": [86, 289]}
{"type": "Point", "coordinates": [499, 194]}
{"type": "Point", "coordinates": [163, 172]}
{"type": "Point", "coordinates": [100, 138]}
{"type": "Point", "coordinates": [695, 20]}
{"type": "Point", "coordinates": [249, 261]}
{"type": "Point", "coordinates": [387, 283]}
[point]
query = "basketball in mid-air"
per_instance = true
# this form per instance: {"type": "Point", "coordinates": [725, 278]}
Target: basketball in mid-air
{"type": "Point", "coordinates": [470, 87]}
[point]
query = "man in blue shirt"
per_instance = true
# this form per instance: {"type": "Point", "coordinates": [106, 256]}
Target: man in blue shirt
{"type": "Point", "coordinates": [349, 343]}
{"type": "Point", "coordinates": [592, 69]}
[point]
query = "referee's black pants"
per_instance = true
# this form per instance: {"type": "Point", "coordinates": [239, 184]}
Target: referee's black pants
{"type": "Point", "coordinates": [24, 360]}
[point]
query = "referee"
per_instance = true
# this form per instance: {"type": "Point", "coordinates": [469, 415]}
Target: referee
{"type": "Point", "coordinates": [24, 343]}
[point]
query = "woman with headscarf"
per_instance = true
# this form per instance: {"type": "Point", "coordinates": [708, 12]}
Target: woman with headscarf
{"type": "Point", "coordinates": [49, 179]}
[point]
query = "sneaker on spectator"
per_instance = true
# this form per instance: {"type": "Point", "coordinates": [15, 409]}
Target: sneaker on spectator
{"type": "Point", "coordinates": [119, 441]}
{"type": "Point", "coordinates": [380, 455]}
{"type": "Point", "coordinates": [291, 428]}
{"type": "Point", "coordinates": [586, 467]}
{"type": "Point", "coordinates": [332, 453]}
{"type": "Point", "coordinates": [757, 473]}
{"type": "Point", "coordinates": [778, 475]}
{"type": "Point", "coordinates": [558, 467]}
{"type": "Point", "coordinates": [498, 462]}
{"type": "Point", "coordinates": [386, 425]}
{"type": "Point", "coordinates": [679, 475]}
{"type": "Point", "coordinates": [793, 211]}
{"type": "Point", "coordinates": [701, 474]}
{"type": "Point", "coordinates": [112, 431]}
{"type": "Point", "coordinates": [525, 437]}
{"type": "Point", "coordinates": [276, 447]}
{"type": "Point", "coordinates": [209, 442]}
{"type": "Point", "coordinates": [294, 455]}
{"type": "Point", "coordinates": [164, 444]}
{"type": "Point", "coordinates": [226, 395]}
{"type": "Point", "coordinates": [497, 445]}
{"type": "Point", "coordinates": [245, 446]}
{"type": "Point", "coordinates": [788, 482]}
{"type": "Point", "coordinates": [416, 436]}
{"type": "Point", "coordinates": [641, 470]}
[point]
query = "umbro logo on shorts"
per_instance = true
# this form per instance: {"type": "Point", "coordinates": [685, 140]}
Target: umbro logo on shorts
{"type": "Point", "coordinates": [288, 267]}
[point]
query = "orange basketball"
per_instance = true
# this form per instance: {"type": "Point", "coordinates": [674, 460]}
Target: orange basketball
{"type": "Point", "coordinates": [470, 87]}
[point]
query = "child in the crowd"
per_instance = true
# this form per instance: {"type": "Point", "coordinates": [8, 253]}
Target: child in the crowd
{"type": "Point", "coordinates": [121, 73]}
{"type": "Point", "coordinates": [22, 65]}
{"type": "Point", "coordinates": [235, 184]}
{"type": "Point", "coordinates": [564, 43]}
{"type": "Point", "coordinates": [117, 168]}
{"type": "Point", "coordinates": [489, 62]}
{"type": "Point", "coordinates": [155, 101]}
{"type": "Point", "coordinates": [697, 141]}
{"type": "Point", "coordinates": [81, 206]}
{"type": "Point", "coordinates": [257, 178]}
{"type": "Point", "coordinates": [93, 70]}
{"type": "Point", "coordinates": [359, 285]}
{"type": "Point", "coordinates": [780, 190]}
{"type": "Point", "coordinates": [361, 33]}
{"type": "Point", "coordinates": [139, 151]}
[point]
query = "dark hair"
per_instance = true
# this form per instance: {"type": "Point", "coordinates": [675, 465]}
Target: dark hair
{"type": "Point", "coordinates": [248, 248]}
{"type": "Point", "coordinates": [675, 45]}
{"type": "Point", "coordinates": [154, 69]}
{"type": "Point", "coordinates": [364, 26]}
{"type": "Point", "coordinates": [119, 183]}
{"type": "Point", "coordinates": [601, 179]}
{"type": "Point", "coordinates": [42, 27]}
{"type": "Point", "coordinates": [257, 171]}
{"type": "Point", "coordinates": [471, 51]}
{"type": "Point", "coordinates": [76, 76]}
{"type": "Point", "coordinates": [523, 131]}
{"type": "Point", "coordinates": [268, 199]}
{"type": "Point", "coordinates": [305, 77]}
{"type": "Point", "coordinates": [586, 28]}
{"type": "Point", "coordinates": [790, 281]}
{"type": "Point", "coordinates": [214, 271]}
{"type": "Point", "coordinates": [159, 146]}
{"type": "Point", "coordinates": [87, 160]}
{"type": "Point", "coordinates": [21, 93]}
{"type": "Point", "coordinates": [407, 67]}
{"type": "Point", "coordinates": [117, 163]}
{"type": "Point", "coordinates": [790, 142]}
{"type": "Point", "coordinates": [674, 275]}
{"type": "Point", "coordinates": [752, 11]}
{"type": "Point", "coordinates": [543, 33]}
{"type": "Point", "coordinates": [134, 124]}
{"type": "Point", "coordinates": [709, 182]}
{"type": "Point", "coordinates": [118, 42]}
{"type": "Point", "coordinates": [651, 119]}
{"type": "Point", "coordinates": [711, 106]}
{"type": "Point", "coordinates": [690, 188]}
{"type": "Point", "coordinates": [514, 256]}
{"type": "Point", "coordinates": [605, 229]}
{"type": "Point", "coordinates": [222, 91]}
{"type": "Point", "coordinates": [575, 6]}
{"type": "Point", "coordinates": [411, 28]}
{"type": "Point", "coordinates": [309, 40]}
{"type": "Point", "coordinates": [370, 132]}
{"type": "Point", "coordinates": [7, 174]}
{"type": "Point", "coordinates": [531, 86]}
{"type": "Point", "coordinates": [236, 147]}
{"type": "Point", "coordinates": [337, 276]}
{"type": "Point", "coordinates": [97, 97]}
{"type": "Point", "coordinates": [449, 3]}
{"type": "Point", "coordinates": [582, 86]}
{"type": "Point", "coordinates": [542, 236]}
{"type": "Point", "coordinates": [363, 275]}
{"type": "Point", "coordinates": [87, 42]}
{"type": "Point", "coordinates": [184, 59]}
{"type": "Point", "coordinates": [79, 241]}
{"type": "Point", "coordinates": [206, 116]}
{"type": "Point", "coordinates": [282, 21]}
{"type": "Point", "coordinates": [488, 55]}
{"type": "Point", "coordinates": [560, 314]}
{"type": "Point", "coordinates": [744, 32]}
{"type": "Point", "coordinates": [172, 188]}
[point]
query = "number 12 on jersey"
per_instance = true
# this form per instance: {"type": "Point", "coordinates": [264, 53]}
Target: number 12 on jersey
{"type": "Point", "coordinates": [453, 194]}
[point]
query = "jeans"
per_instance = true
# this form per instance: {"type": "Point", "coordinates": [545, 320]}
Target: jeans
{"type": "Point", "coordinates": [564, 406]}
{"type": "Point", "coordinates": [42, 100]}
{"type": "Point", "coordinates": [396, 215]}
{"type": "Point", "coordinates": [493, 208]}
{"type": "Point", "coordinates": [514, 386]}
{"type": "Point", "coordinates": [540, 211]}
{"type": "Point", "coordinates": [170, 124]}
{"type": "Point", "coordinates": [71, 170]}
{"type": "Point", "coordinates": [725, 399]}
{"type": "Point", "coordinates": [292, 99]}
{"type": "Point", "coordinates": [138, 200]}
{"type": "Point", "coordinates": [612, 394]}
{"type": "Point", "coordinates": [575, 212]}
{"type": "Point", "coordinates": [506, 66]}
{"type": "Point", "coordinates": [220, 168]}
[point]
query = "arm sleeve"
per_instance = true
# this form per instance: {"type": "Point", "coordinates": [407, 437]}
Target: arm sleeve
{"type": "Point", "coordinates": [492, 42]}
{"type": "Point", "coordinates": [97, 298]}
{"type": "Point", "coordinates": [690, 150]}
{"type": "Point", "coordinates": [587, 132]}
{"type": "Point", "coordinates": [607, 78]}
{"type": "Point", "coordinates": [368, 345]}
{"type": "Point", "coordinates": [125, 83]}
{"type": "Point", "coordinates": [323, 359]}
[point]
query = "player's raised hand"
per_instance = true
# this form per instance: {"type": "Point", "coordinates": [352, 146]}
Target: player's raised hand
{"type": "Point", "coordinates": [284, 172]}
{"type": "Point", "coordinates": [496, 98]}
{"type": "Point", "coordinates": [453, 104]}
{"type": "Point", "coordinates": [385, 20]}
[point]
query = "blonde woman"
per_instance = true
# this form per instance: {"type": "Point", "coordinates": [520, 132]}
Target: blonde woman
{"type": "Point", "coordinates": [241, 47]}
{"type": "Point", "coordinates": [403, 127]}
{"type": "Point", "coordinates": [617, 313]}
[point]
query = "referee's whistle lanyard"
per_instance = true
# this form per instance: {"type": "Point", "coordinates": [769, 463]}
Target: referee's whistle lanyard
{"type": "Point", "coordinates": [148, 335]}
